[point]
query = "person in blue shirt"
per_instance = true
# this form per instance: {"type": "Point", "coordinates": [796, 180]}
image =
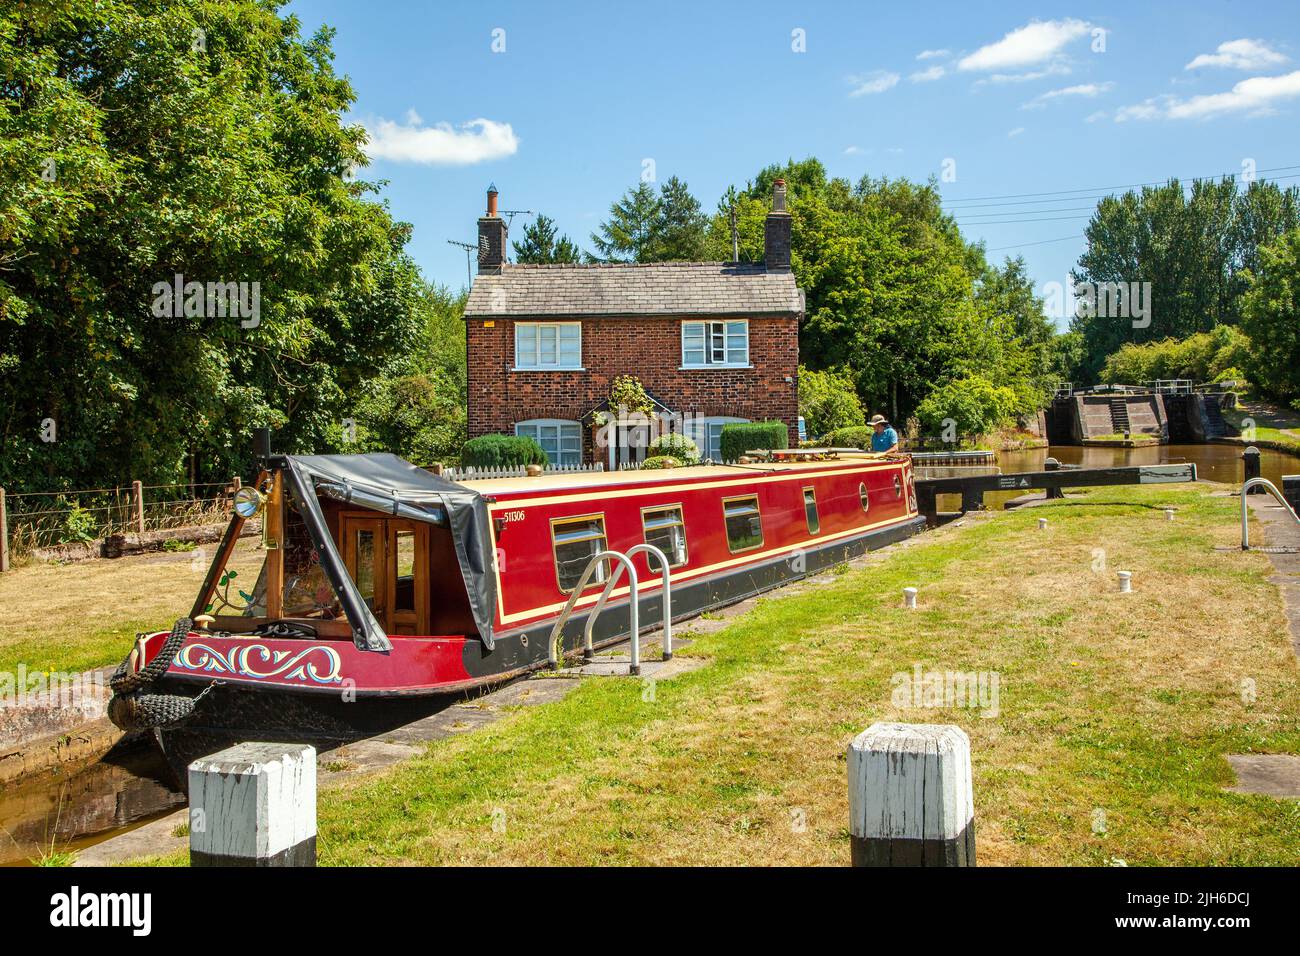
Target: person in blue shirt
{"type": "Point", "coordinates": [885, 438]}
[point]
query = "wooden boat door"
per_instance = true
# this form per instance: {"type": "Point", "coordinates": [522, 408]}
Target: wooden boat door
{"type": "Point", "coordinates": [388, 558]}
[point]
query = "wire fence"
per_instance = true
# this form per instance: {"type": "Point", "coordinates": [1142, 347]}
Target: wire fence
{"type": "Point", "coordinates": [33, 520]}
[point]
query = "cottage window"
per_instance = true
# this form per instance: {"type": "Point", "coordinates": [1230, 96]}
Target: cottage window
{"type": "Point", "coordinates": [744, 523]}
{"type": "Point", "coordinates": [665, 530]}
{"type": "Point", "coordinates": [560, 439]}
{"type": "Point", "coordinates": [707, 434]}
{"type": "Point", "coordinates": [712, 344]}
{"type": "Point", "coordinates": [576, 542]}
{"type": "Point", "coordinates": [548, 345]}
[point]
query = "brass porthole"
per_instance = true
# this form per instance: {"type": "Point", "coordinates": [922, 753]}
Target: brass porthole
{"type": "Point", "coordinates": [898, 486]}
{"type": "Point", "coordinates": [863, 497]}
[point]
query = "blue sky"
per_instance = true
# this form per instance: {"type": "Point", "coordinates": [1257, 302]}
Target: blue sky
{"type": "Point", "coordinates": [561, 104]}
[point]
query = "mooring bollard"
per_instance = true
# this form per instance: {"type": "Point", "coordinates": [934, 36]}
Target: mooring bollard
{"type": "Point", "coordinates": [254, 804]}
{"type": "Point", "coordinates": [910, 797]}
{"type": "Point", "coordinates": [909, 597]}
{"type": "Point", "coordinates": [1125, 582]}
{"type": "Point", "coordinates": [1042, 523]}
{"type": "Point", "coordinates": [1250, 468]}
{"type": "Point", "coordinates": [1169, 514]}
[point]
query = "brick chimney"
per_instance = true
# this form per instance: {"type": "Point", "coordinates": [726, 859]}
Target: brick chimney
{"type": "Point", "coordinates": [776, 232]}
{"type": "Point", "coordinates": [492, 237]}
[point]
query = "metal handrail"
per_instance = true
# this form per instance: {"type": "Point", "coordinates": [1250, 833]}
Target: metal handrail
{"type": "Point", "coordinates": [649, 549]}
{"type": "Point", "coordinates": [1272, 489]}
{"type": "Point", "coordinates": [625, 562]}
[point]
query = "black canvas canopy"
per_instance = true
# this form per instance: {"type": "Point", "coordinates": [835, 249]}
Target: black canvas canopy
{"type": "Point", "coordinates": [384, 482]}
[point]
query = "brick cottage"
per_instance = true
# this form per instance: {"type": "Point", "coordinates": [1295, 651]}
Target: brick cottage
{"type": "Point", "coordinates": [710, 342]}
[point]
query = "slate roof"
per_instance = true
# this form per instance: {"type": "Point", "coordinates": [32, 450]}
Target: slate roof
{"type": "Point", "coordinates": [633, 289]}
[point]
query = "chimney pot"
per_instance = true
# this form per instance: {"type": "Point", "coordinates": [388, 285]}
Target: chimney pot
{"type": "Point", "coordinates": [492, 236]}
{"type": "Point", "coordinates": [492, 201]}
{"type": "Point", "coordinates": [776, 232]}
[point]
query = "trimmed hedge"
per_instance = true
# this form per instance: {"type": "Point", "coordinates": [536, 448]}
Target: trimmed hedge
{"type": "Point", "coordinates": [501, 451]}
{"type": "Point", "coordinates": [740, 437]}
{"type": "Point", "coordinates": [857, 436]}
{"type": "Point", "coordinates": [675, 445]}
{"type": "Point", "coordinates": [661, 461]}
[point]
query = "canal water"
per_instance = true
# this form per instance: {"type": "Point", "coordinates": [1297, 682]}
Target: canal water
{"type": "Point", "coordinates": [70, 810]}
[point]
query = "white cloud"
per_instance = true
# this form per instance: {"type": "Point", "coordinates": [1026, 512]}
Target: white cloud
{"type": "Point", "coordinates": [1015, 132]}
{"type": "Point", "coordinates": [1053, 69]}
{"type": "Point", "coordinates": [852, 150]}
{"type": "Point", "coordinates": [931, 54]}
{"type": "Point", "coordinates": [875, 82]}
{"type": "Point", "coordinates": [1036, 42]}
{"type": "Point", "coordinates": [925, 76]}
{"type": "Point", "coordinates": [477, 141]}
{"type": "Point", "coordinates": [1249, 55]}
{"type": "Point", "coordinates": [1255, 96]}
{"type": "Point", "coordinates": [1094, 117]}
{"type": "Point", "coordinates": [1086, 90]}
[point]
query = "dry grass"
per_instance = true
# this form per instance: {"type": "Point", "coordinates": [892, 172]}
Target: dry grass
{"type": "Point", "coordinates": [84, 614]}
{"type": "Point", "coordinates": [1118, 705]}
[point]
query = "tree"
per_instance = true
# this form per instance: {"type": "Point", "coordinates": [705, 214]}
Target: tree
{"type": "Point", "coordinates": [1271, 317]}
{"type": "Point", "coordinates": [647, 227]}
{"type": "Point", "coordinates": [1194, 245]}
{"type": "Point", "coordinates": [828, 400]}
{"type": "Point", "coordinates": [541, 245]}
{"type": "Point", "coordinates": [139, 142]}
{"type": "Point", "coordinates": [628, 234]}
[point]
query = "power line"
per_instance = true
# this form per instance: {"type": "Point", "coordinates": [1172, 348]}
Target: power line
{"type": "Point", "coordinates": [1035, 202]}
{"type": "Point", "coordinates": [1108, 189]}
{"type": "Point", "coordinates": [1016, 222]}
{"type": "Point", "coordinates": [1041, 242]}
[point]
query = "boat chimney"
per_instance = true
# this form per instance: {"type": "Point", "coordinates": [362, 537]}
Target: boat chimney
{"type": "Point", "coordinates": [261, 443]}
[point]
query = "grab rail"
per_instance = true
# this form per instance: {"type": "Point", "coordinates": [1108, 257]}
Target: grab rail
{"type": "Point", "coordinates": [1272, 489]}
{"type": "Point", "coordinates": [624, 564]}
{"type": "Point", "coordinates": [667, 604]}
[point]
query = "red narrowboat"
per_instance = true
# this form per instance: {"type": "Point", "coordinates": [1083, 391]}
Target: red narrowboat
{"type": "Point", "coordinates": [382, 583]}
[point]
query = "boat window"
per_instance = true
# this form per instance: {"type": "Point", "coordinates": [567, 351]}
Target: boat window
{"type": "Point", "coordinates": [863, 497]}
{"type": "Point", "coordinates": [744, 523]}
{"type": "Point", "coordinates": [576, 541]}
{"type": "Point", "coordinates": [810, 510]}
{"type": "Point", "coordinates": [665, 530]}
{"type": "Point", "coordinates": [365, 574]}
{"type": "Point", "coordinates": [898, 486]}
{"type": "Point", "coordinates": [404, 550]}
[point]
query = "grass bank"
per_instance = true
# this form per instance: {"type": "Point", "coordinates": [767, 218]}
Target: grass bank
{"type": "Point", "coordinates": [85, 614]}
{"type": "Point", "coordinates": [1114, 713]}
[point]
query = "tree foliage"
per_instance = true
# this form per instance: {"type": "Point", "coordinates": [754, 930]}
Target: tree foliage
{"type": "Point", "coordinates": [645, 226]}
{"type": "Point", "coordinates": [1271, 317]}
{"type": "Point", "coordinates": [1195, 245]}
{"type": "Point", "coordinates": [828, 400]}
{"type": "Point", "coordinates": [542, 245]}
{"type": "Point", "coordinates": [1202, 357]}
{"type": "Point", "coordinates": [145, 140]}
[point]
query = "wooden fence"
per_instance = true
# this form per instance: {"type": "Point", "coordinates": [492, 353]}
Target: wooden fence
{"type": "Point", "coordinates": [42, 519]}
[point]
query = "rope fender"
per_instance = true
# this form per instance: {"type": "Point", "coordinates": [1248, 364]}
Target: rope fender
{"type": "Point", "coordinates": [131, 708]}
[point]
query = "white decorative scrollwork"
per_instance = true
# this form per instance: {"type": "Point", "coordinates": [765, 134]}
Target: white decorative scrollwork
{"type": "Point", "coordinates": [243, 660]}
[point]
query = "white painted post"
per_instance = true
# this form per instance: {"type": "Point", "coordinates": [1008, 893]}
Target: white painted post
{"type": "Point", "coordinates": [1125, 582]}
{"type": "Point", "coordinates": [1169, 514]}
{"type": "Point", "coordinates": [910, 796]}
{"type": "Point", "coordinates": [909, 598]}
{"type": "Point", "coordinates": [1042, 523]}
{"type": "Point", "coordinates": [254, 804]}
{"type": "Point", "coordinates": [4, 534]}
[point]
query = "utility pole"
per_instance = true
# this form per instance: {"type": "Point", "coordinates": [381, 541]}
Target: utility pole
{"type": "Point", "coordinates": [469, 248]}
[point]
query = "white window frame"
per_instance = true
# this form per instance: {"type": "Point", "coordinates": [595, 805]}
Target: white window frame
{"type": "Point", "coordinates": [538, 366]}
{"type": "Point", "coordinates": [533, 428]}
{"type": "Point", "coordinates": [718, 350]}
{"type": "Point", "coordinates": [698, 428]}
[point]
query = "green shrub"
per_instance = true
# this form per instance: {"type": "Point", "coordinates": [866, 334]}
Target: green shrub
{"type": "Point", "coordinates": [79, 524]}
{"type": "Point", "coordinates": [859, 436]}
{"type": "Point", "coordinates": [1202, 357]}
{"type": "Point", "coordinates": [740, 437]}
{"type": "Point", "coordinates": [828, 400]}
{"type": "Point", "coordinates": [501, 451]}
{"type": "Point", "coordinates": [974, 403]}
{"type": "Point", "coordinates": [661, 461]}
{"type": "Point", "coordinates": [675, 445]}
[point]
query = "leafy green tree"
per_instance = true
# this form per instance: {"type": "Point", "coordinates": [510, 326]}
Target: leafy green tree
{"type": "Point", "coordinates": [1271, 317]}
{"type": "Point", "coordinates": [645, 226]}
{"type": "Point", "coordinates": [1194, 245]}
{"type": "Point", "coordinates": [542, 244]}
{"type": "Point", "coordinates": [828, 400]}
{"type": "Point", "coordinates": [140, 141]}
